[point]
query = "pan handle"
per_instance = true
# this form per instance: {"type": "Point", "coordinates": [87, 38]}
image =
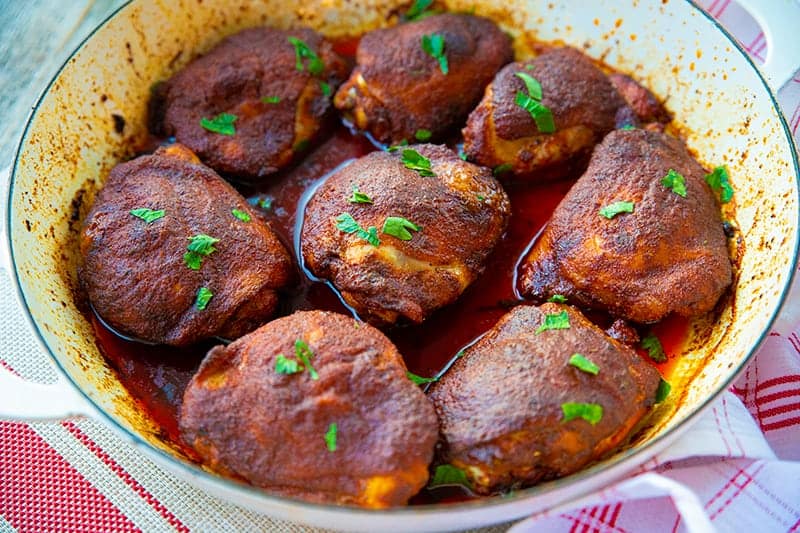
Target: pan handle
{"type": "Point", "coordinates": [780, 21]}
{"type": "Point", "coordinates": [24, 400]}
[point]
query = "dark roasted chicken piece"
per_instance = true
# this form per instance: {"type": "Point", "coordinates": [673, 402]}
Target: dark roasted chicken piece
{"type": "Point", "coordinates": [667, 256]}
{"type": "Point", "coordinates": [139, 273]}
{"type": "Point", "coordinates": [314, 406]}
{"type": "Point", "coordinates": [277, 89]}
{"type": "Point", "coordinates": [455, 217]}
{"type": "Point", "coordinates": [584, 103]}
{"type": "Point", "coordinates": [501, 406]}
{"type": "Point", "coordinates": [399, 89]}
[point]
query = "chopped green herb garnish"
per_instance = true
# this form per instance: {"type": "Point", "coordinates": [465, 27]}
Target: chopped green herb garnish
{"type": "Point", "coordinates": [397, 146]}
{"type": "Point", "coordinates": [330, 437]}
{"type": "Point", "coordinates": [591, 412]}
{"type": "Point", "coordinates": [529, 67]}
{"type": "Point", "coordinates": [200, 246]}
{"type": "Point", "coordinates": [301, 52]}
{"type": "Point", "coordinates": [612, 210]}
{"type": "Point", "coordinates": [655, 350]}
{"type": "Point", "coordinates": [480, 197]}
{"type": "Point", "coordinates": [148, 215]}
{"type": "Point", "coordinates": [433, 45]}
{"type": "Point", "coordinates": [720, 180]}
{"type": "Point", "coordinates": [499, 170]}
{"type": "Point", "coordinates": [423, 135]}
{"type": "Point", "coordinates": [347, 224]}
{"type": "Point", "coordinates": [445, 475]}
{"type": "Point", "coordinates": [222, 124]}
{"type": "Point", "coordinates": [583, 364]}
{"type": "Point", "coordinates": [460, 354]}
{"type": "Point", "coordinates": [359, 197]}
{"type": "Point", "coordinates": [270, 99]}
{"type": "Point", "coordinates": [558, 299]}
{"type": "Point", "coordinates": [662, 391]}
{"type": "Point", "coordinates": [264, 203]}
{"type": "Point", "coordinates": [675, 182]}
{"type": "Point", "coordinates": [554, 321]}
{"type": "Point", "coordinates": [304, 354]}
{"type": "Point", "coordinates": [193, 260]}
{"type": "Point", "coordinates": [244, 216]}
{"type": "Point", "coordinates": [533, 86]}
{"type": "Point", "coordinates": [326, 88]}
{"type": "Point", "coordinates": [415, 161]}
{"type": "Point", "coordinates": [203, 297]}
{"type": "Point", "coordinates": [417, 10]}
{"type": "Point", "coordinates": [628, 127]}
{"type": "Point", "coordinates": [301, 145]}
{"type": "Point", "coordinates": [462, 154]}
{"type": "Point", "coordinates": [399, 227]}
{"type": "Point", "coordinates": [419, 380]}
{"type": "Point", "coordinates": [284, 365]}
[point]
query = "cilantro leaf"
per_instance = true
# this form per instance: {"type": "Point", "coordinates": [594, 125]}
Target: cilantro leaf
{"type": "Point", "coordinates": [445, 475]}
{"type": "Point", "coordinates": [244, 216]}
{"type": "Point", "coordinates": [326, 88]}
{"type": "Point", "coordinates": [413, 160]}
{"type": "Point", "coordinates": [396, 147]}
{"type": "Point", "coordinates": [558, 298]}
{"type": "Point", "coordinates": [655, 350]}
{"type": "Point", "coordinates": [583, 364]}
{"type": "Point", "coordinates": [591, 412]}
{"type": "Point", "coordinates": [203, 297]}
{"type": "Point", "coordinates": [284, 365]}
{"type": "Point", "coordinates": [554, 321]}
{"type": "Point", "coordinates": [419, 380]}
{"type": "Point", "coordinates": [222, 124]}
{"type": "Point", "coordinates": [399, 227]}
{"type": "Point", "coordinates": [499, 170]}
{"type": "Point", "coordinates": [148, 215]}
{"type": "Point", "coordinates": [330, 437]}
{"type": "Point", "coordinates": [628, 127]}
{"type": "Point", "coordinates": [675, 182]}
{"type": "Point", "coordinates": [462, 154]}
{"type": "Point", "coordinates": [663, 390]}
{"type": "Point", "coordinates": [433, 45]}
{"type": "Point", "coordinates": [301, 52]}
{"type": "Point", "coordinates": [193, 260]}
{"type": "Point", "coordinates": [719, 179]}
{"type": "Point", "coordinates": [347, 224]}
{"type": "Point", "coordinates": [533, 86]}
{"type": "Point", "coordinates": [270, 99]}
{"type": "Point", "coordinates": [612, 210]}
{"type": "Point", "coordinates": [200, 246]}
{"type": "Point", "coordinates": [423, 135]}
{"type": "Point", "coordinates": [304, 354]}
{"type": "Point", "coordinates": [264, 203]}
{"type": "Point", "coordinates": [359, 197]}
{"type": "Point", "coordinates": [539, 112]}
{"type": "Point", "coordinates": [417, 10]}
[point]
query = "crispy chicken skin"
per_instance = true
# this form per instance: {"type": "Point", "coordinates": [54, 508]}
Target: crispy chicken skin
{"type": "Point", "coordinates": [668, 256]}
{"type": "Point", "coordinates": [398, 89]}
{"type": "Point", "coordinates": [135, 274]}
{"type": "Point", "coordinates": [249, 421]}
{"type": "Point", "coordinates": [645, 106]}
{"type": "Point", "coordinates": [499, 406]}
{"type": "Point", "coordinates": [584, 102]}
{"type": "Point", "coordinates": [233, 78]}
{"type": "Point", "coordinates": [461, 211]}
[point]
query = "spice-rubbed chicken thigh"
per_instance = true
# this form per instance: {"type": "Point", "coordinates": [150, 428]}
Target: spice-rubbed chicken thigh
{"type": "Point", "coordinates": [253, 102]}
{"type": "Point", "coordinates": [583, 102]}
{"type": "Point", "coordinates": [639, 234]}
{"type": "Point", "coordinates": [529, 402]}
{"type": "Point", "coordinates": [173, 254]}
{"type": "Point", "coordinates": [315, 406]}
{"type": "Point", "coordinates": [402, 234]}
{"type": "Point", "coordinates": [419, 80]}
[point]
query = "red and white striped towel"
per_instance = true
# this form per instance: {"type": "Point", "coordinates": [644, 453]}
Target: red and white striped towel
{"type": "Point", "coordinates": [737, 469]}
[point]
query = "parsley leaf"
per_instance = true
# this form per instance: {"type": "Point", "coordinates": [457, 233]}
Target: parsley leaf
{"type": "Point", "coordinates": [445, 475]}
{"type": "Point", "coordinates": [301, 52]}
{"type": "Point", "coordinates": [148, 215]}
{"type": "Point", "coordinates": [326, 88]}
{"type": "Point", "coordinates": [330, 437]}
{"type": "Point", "coordinates": [304, 354]}
{"type": "Point", "coordinates": [193, 260]}
{"type": "Point", "coordinates": [419, 380]}
{"type": "Point", "coordinates": [499, 170]}
{"type": "Point", "coordinates": [347, 224]}
{"type": "Point", "coordinates": [359, 197]}
{"type": "Point", "coordinates": [415, 161]}
{"type": "Point", "coordinates": [284, 365]}
{"type": "Point", "coordinates": [655, 350]}
{"type": "Point", "coordinates": [462, 154]}
{"type": "Point", "coordinates": [554, 321]}
{"type": "Point", "coordinates": [397, 146]}
{"type": "Point", "coordinates": [533, 86]}
{"type": "Point", "coordinates": [433, 45]}
{"type": "Point", "coordinates": [538, 111]}
{"type": "Point", "coordinates": [423, 135]}
{"type": "Point", "coordinates": [398, 227]}
{"type": "Point", "coordinates": [675, 182]}
{"type": "Point", "coordinates": [612, 210]}
{"type": "Point", "coordinates": [417, 10]}
{"type": "Point", "coordinates": [558, 298]}
{"type": "Point", "coordinates": [200, 246]}
{"type": "Point", "coordinates": [719, 179]}
{"type": "Point", "coordinates": [244, 216]}
{"type": "Point", "coordinates": [591, 412]}
{"type": "Point", "coordinates": [583, 364]}
{"type": "Point", "coordinates": [628, 127]}
{"type": "Point", "coordinates": [222, 124]}
{"type": "Point", "coordinates": [662, 391]}
{"type": "Point", "coordinates": [270, 99]}
{"type": "Point", "coordinates": [203, 297]}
